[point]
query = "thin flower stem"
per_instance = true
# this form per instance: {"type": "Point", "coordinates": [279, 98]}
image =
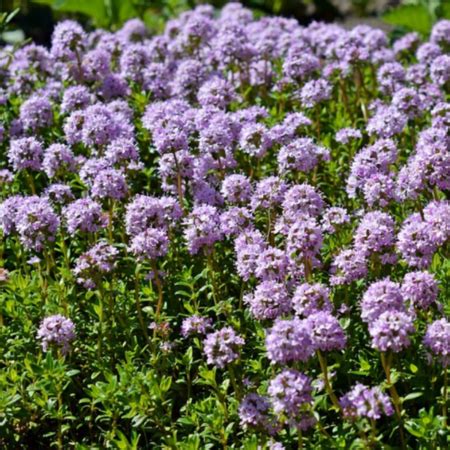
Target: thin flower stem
{"type": "Point", "coordinates": [444, 406]}
{"type": "Point", "coordinates": [329, 389]}
{"type": "Point", "coordinates": [139, 307]}
{"type": "Point", "coordinates": [234, 383]}
{"type": "Point", "coordinates": [31, 183]}
{"type": "Point", "coordinates": [111, 221]}
{"type": "Point", "coordinates": [179, 182]}
{"type": "Point", "coordinates": [212, 277]}
{"type": "Point", "coordinates": [300, 438]}
{"type": "Point", "coordinates": [159, 289]}
{"type": "Point", "coordinates": [386, 361]}
{"type": "Point", "coordinates": [373, 427]}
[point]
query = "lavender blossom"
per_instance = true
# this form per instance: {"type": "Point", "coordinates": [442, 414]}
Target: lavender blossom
{"type": "Point", "coordinates": [150, 244]}
{"type": "Point", "coordinates": [222, 347]}
{"type": "Point", "coordinates": [56, 330]}
{"type": "Point", "coordinates": [391, 331]}
{"type": "Point", "coordinates": [289, 340]}
{"type": "Point", "coordinates": [94, 263]}
{"type": "Point", "coordinates": [362, 401]}
{"type": "Point", "coordinates": [311, 298]}
{"type": "Point", "coordinates": [437, 339]}
{"type": "Point", "coordinates": [381, 296]}
{"type": "Point", "coordinates": [195, 325]}
{"type": "Point", "coordinates": [420, 288]}
{"type": "Point", "coordinates": [84, 215]}
{"type": "Point", "coordinates": [269, 301]}
{"type": "Point", "coordinates": [202, 228]}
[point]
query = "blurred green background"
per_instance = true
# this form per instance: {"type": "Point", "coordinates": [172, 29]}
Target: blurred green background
{"type": "Point", "coordinates": [35, 19]}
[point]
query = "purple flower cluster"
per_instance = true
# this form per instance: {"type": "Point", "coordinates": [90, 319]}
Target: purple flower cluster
{"type": "Point", "coordinates": [56, 330]}
{"type": "Point", "coordinates": [362, 401]}
{"type": "Point", "coordinates": [290, 392]}
{"type": "Point", "coordinates": [304, 168]}
{"type": "Point", "coordinates": [94, 263]}
{"type": "Point", "coordinates": [195, 325]}
{"type": "Point", "coordinates": [222, 347]}
{"type": "Point", "coordinates": [437, 339]}
{"type": "Point", "coordinates": [289, 340]}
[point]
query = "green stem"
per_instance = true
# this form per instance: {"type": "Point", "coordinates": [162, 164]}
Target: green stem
{"type": "Point", "coordinates": [373, 433]}
{"type": "Point", "coordinates": [111, 221]}
{"type": "Point", "coordinates": [159, 289]}
{"type": "Point", "coordinates": [234, 383]}
{"type": "Point", "coordinates": [212, 277]}
{"type": "Point", "coordinates": [179, 183]}
{"type": "Point", "coordinates": [386, 361]}
{"type": "Point", "coordinates": [139, 308]}
{"type": "Point", "coordinates": [308, 269]}
{"type": "Point", "coordinates": [328, 388]}
{"type": "Point", "coordinates": [444, 406]}
{"type": "Point", "coordinates": [300, 438]}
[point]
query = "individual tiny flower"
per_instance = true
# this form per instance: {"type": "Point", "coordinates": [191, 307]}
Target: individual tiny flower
{"type": "Point", "coordinates": [195, 325]}
{"type": "Point", "coordinates": [420, 288]}
{"type": "Point", "coordinates": [222, 347]}
{"type": "Point", "coordinates": [391, 331]}
{"type": "Point", "coordinates": [437, 339]}
{"type": "Point", "coordinates": [56, 330]}
{"type": "Point", "coordinates": [362, 401]}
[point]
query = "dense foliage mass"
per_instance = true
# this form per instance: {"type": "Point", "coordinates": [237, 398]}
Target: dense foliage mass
{"type": "Point", "coordinates": [231, 235]}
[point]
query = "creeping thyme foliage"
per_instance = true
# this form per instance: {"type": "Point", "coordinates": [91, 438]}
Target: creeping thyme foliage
{"type": "Point", "coordinates": [234, 234]}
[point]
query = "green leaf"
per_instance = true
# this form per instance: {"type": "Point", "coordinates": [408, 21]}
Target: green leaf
{"type": "Point", "coordinates": [412, 396]}
{"type": "Point", "coordinates": [413, 368]}
{"type": "Point", "coordinates": [95, 9]}
{"type": "Point", "coordinates": [413, 17]}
